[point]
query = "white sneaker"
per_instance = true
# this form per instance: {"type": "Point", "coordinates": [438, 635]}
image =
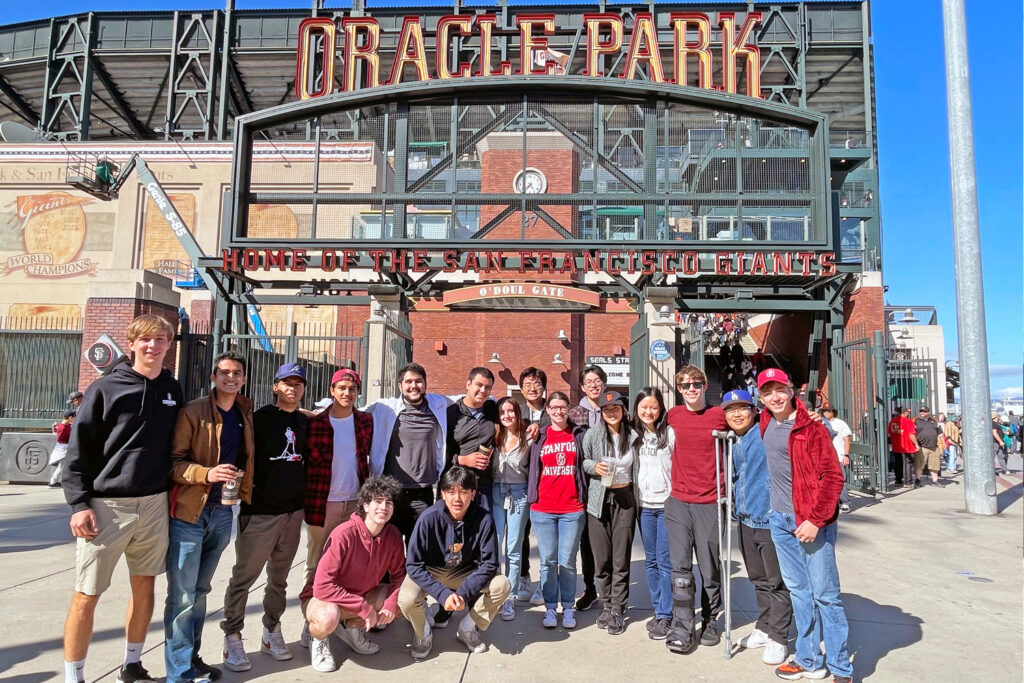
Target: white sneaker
{"type": "Point", "coordinates": [523, 592]}
{"type": "Point", "coordinates": [356, 639]}
{"type": "Point", "coordinates": [550, 619]}
{"type": "Point", "coordinates": [273, 644]}
{"type": "Point", "coordinates": [775, 653]}
{"type": "Point", "coordinates": [569, 618]}
{"type": "Point", "coordinates": [304, 636]}
{"type": "Point", "coordinates": [235, 658]}
{"type": "Point", "coordinates": [508, 610]}
{"type": "Point", "coordinates": [320, 654]}
{"type": "Point", "coordinates": [756, 639]}
{"type": "Point", "coordinates": [538, 596]}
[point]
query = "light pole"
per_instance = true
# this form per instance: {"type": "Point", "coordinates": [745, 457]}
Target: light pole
{"type": "Point", "coordinates": [979, 471]}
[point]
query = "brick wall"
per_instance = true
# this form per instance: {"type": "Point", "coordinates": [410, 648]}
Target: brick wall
{"type": "Point", "coordinates": [498, 169]}
{"type": "Point", "coordinates": [112, 317]}
{"type": "Point", "coordinates": [521, 340]}
{"type": "Point", "coordinates": [201, 314]}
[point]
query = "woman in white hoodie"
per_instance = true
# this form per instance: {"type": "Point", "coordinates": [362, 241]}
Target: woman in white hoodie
{"type": "Point", "coordinates": [652, 481]}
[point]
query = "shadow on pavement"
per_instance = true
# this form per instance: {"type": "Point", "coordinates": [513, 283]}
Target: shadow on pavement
{"type": "Point", "coordinates": [1008, 497]}
{"type": "Point", "coordinates": [876, 630]}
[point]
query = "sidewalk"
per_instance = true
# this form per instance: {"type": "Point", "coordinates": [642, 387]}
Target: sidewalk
{"type": "Point", "coordinates": [931, 592]}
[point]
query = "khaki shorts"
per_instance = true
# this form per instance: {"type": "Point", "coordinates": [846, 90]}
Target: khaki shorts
{"type": "Point", "coordinates": [928, 457]}
{"type": "Point", "coordinates": [133, 527]}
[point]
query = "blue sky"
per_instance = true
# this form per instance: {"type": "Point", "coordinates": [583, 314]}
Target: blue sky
{"type": "Point", "coordinates": [910, 91]}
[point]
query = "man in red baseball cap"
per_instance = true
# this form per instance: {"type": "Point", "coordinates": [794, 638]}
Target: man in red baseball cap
{"type": "Point", "coordinates": [337, 466]}
{"type": "Point", "coordinates": [805, 480]}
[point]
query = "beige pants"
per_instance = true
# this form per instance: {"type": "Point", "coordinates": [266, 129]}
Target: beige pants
{"type": "Point", "coordinates": [412, 598]}
{"type": "Point", "coordinates": [316, 536]}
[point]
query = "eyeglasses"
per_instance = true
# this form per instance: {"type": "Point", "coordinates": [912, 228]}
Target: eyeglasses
{"type": "Point", "coordinates": [231, 373]}
{"type": "Point", "coordinates": [553, 409]}
{"type": "Point", "coordinates": [593, 382]}
{"type": "Point", "coordinates": [683, 386]}
{"type": "Point", "coordinates": [531, 385]}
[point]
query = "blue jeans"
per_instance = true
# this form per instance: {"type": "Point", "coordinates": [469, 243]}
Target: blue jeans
{"type": "Point", "coordinates": [193, 552]}
{"type": "Point", "coordinates": [810, 573]}
{"type": "Point", "coordinates": [558, 539]}
{"type": "Point", "coordinates": [657, 561]}
{"type": "Point", "coordinates": [513, 520]}
{"type": "Point", "coordinates": [952, 452]}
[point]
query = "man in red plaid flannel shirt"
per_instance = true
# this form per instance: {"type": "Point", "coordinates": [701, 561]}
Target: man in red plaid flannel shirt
{"type": "Point", "coordinates": [338, 464]}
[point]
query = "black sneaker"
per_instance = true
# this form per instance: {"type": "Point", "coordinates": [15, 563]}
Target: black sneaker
{"type": "Point", "coordinates": [586, 601]}
{"type": "Point", "coordinates": [651, 623]}
{"type": "Point", "coordinates": [917, 483]}
{"type": "Point", "coordinates": [204, 670]}
{"type": "Point", "coordinates": [133, 673]}
{"type": "Point", "coordinates": [616, 624]}
{"type": "Point", "coordinates": [660, 630]}
{"type": "Point", "coordinates": [602, 619]}
{"type": "Point", "coordinates": [709, 635]}
{"type": "Point", "coordinates": [441, 618]}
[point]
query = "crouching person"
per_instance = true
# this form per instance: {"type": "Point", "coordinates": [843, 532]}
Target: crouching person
{"type": "Point", "coordinates": [453, 557]}
{"type": "Point", "coordinates": [346, 596]}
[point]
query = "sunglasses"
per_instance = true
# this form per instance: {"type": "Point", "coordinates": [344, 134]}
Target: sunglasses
{"type": "Point", "coordinates": [683, 386]}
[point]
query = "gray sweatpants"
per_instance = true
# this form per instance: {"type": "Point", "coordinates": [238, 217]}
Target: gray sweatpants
{"type": "Point", "coordinates": [263, 540]}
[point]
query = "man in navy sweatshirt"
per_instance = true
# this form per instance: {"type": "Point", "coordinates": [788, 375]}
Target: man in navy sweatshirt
{"type": "Point", "coordinates": [453, 557]}
{"type": "Point", "coordinates": [115, 480]}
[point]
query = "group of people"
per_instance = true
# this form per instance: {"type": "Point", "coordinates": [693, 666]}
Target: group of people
{"type": "Point", "coordinates": [425, 495]}
{"type": "Point", "coordinates": [925, 443]}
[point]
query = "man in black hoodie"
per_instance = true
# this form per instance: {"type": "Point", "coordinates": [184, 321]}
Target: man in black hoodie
{"type": "Point", "coordinates": [115, 480]}
{"type": "Point", "coordinates": [453, 557]}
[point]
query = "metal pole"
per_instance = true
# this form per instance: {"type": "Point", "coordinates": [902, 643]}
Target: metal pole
{"type": "Point", "coordinates": [979, 473]}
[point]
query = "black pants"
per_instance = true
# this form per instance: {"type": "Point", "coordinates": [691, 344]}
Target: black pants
{"type": "Point", "coordinates": [587, 564]}
{"type": "Point", "coordinates": [775, 611]}
{"type": "Point", "coordinates": [902, 467]}
{"type": "Point", "coordinates": [693, 528]}
{"type": "Point", "coordinates": [525, 553]}
{"type": "Point", "coordinates": [410, 505]}
{"type": "Point", "coordinates": [611, 537]}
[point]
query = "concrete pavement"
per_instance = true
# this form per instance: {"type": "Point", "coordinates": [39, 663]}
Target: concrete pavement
{"type": "Point", "coordinates": [931, 592]}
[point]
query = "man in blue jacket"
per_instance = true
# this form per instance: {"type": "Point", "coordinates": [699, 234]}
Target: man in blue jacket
{"type": "Point", "coordinates": [751, 505]}
{"type": "Point", "coordinates": [453, 557]}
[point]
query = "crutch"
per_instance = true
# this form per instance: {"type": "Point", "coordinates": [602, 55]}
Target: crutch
{"type": "Point", "coordinates": [724, 441]}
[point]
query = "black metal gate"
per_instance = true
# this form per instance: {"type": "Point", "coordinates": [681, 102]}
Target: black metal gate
{"type": "Point", "coordinates": [858, 392]}
{"type": "Point", "coordinates": [39, 361]}
{"type": "Point", "coordinates": [638, 336]}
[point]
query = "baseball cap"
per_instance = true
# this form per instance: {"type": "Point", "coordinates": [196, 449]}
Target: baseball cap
{"type": "Point", "coordinates": [73, 395]}
{"type": "Point", "coordinates": [772, 375]}
{"type": "Point", "coordinates": [324, 403]}
{"type": "Point", "coordinates": [290, 370]}
{"type": "Point", "coordinates": [347, 374]}
{"type": "Point", "coordinates": [736, 396]}
{"type": "Point", "coordinates": [611, 398]}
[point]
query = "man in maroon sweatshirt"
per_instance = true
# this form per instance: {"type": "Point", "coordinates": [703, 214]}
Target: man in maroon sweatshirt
{"type": "Point", "coordinates": [691, 514]}
{"type": "Point", "coordinates": [346, 596]}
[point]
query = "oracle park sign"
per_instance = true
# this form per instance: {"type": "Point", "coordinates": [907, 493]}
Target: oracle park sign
{"type": "Point", "coordinates": [354, 48]}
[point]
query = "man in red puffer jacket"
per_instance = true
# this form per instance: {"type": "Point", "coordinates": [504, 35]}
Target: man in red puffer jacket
{"type": "Point", "coordinates": [805, 483]}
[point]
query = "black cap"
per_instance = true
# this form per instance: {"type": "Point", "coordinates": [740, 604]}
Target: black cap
{"type": "Point", "coordinates": [611, 398]}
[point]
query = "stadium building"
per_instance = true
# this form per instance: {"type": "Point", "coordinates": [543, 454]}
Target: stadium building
{"type": "Point", "coordinates": [507, 185]}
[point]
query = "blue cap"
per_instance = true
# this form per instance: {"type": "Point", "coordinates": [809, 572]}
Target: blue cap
{"type": "Point", "coordinates": [290, 370]}
{"type": "Point", "coordinates": [737, 396]}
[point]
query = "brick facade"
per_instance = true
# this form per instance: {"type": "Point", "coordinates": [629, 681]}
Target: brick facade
{"type": "Point", "coordinates": [112, 317]}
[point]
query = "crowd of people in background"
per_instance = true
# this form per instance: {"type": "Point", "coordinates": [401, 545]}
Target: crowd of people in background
{"type": "Point", "coordinates": [421, 507]}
